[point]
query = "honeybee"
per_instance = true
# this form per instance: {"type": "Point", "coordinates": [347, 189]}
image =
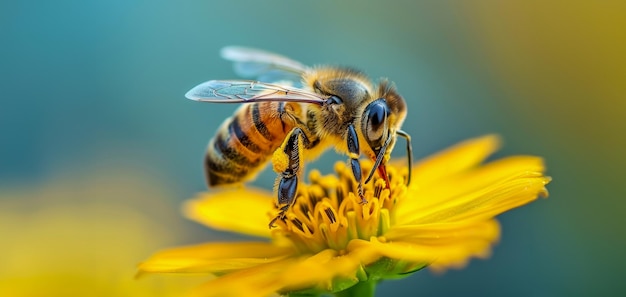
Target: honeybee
{"type": "Point", "coordinates": [294, 113]}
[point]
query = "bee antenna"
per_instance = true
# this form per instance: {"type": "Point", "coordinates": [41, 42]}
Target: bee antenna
{"type": "Point", "coordinates": [409, 152]}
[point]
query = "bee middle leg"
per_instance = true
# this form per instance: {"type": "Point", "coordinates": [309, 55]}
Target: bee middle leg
{"type": "Point", "coordinates": [287, 163]}
{"type": "Point", "coordinates": [353, 154]}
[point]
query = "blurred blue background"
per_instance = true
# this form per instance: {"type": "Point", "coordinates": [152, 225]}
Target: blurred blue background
{"type": "Point", "coordinates": [92, 117]}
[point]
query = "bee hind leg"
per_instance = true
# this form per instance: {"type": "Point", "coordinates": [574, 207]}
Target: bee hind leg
{"type": "Point", "coordinates": [287, 163]}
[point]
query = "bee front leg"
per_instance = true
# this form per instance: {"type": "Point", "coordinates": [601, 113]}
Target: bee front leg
{"type": "Point", "coordinates": [287, 163]}
{"type": "Point", "coordinates": [353, 154]}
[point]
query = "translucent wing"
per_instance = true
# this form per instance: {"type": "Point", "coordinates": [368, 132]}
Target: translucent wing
{"type": "Point", "coordinates": [246, 91]}
{"type": "Point", "coordinates": [263, 65]}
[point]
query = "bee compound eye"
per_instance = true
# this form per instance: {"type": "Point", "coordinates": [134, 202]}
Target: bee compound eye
{"type": "Point", "coordinates": [375, 122]}
{"type": "Point", "coordinates": [377, 116]}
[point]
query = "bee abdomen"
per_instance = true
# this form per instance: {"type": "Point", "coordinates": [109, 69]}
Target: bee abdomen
{"type": "Point", "coordinates": [244, 143]}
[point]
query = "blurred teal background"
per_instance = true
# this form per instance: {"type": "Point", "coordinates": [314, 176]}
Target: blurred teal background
{"type": "Point", "coordinates": [93, 124]}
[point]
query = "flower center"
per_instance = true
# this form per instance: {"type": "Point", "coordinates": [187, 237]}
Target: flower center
{"type": "Point", "coordinates": [328, 213]}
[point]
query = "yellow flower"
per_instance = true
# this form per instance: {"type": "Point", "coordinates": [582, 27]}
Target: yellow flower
{"type": "Point", "coordinates": [329, 242]}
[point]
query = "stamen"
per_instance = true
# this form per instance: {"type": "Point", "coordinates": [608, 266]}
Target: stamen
{"type": "Point", "coordinates": [304, 207]}
{"type": "Point", "coordinates": [346, 178]}
{"type": "Point", "coordinates": [384, 222]}
{"type": "Point", "coordinates": [340, 195]}
{"type": "Point", "coordinates": [350, 185]}
{"type": "Point", "coordinates": [297, 223]}
{"type": "Point", "coordinates": [316, 193]}
{"type": "Point", "coordinates": [378, 187]}
{"type": "Point", "coordinates": [330, 214]}
{"type": "Point", "coordinates": [353, 231]}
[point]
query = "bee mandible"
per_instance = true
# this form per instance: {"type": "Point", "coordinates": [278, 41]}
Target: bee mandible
{"type": "Point", "coordinates": [294, 113]}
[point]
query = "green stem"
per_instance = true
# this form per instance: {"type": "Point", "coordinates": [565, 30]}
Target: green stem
{"type": "Point", "coordinates": [361, 289]}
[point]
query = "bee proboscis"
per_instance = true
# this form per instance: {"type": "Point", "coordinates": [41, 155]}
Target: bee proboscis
{"type": "Point", "coordinates": [334, 107]}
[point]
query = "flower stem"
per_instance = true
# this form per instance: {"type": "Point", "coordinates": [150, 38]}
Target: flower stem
{"type": "Point", "coordinates": [361, 289]}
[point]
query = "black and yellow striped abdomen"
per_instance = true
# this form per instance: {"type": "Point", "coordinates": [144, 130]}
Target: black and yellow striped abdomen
{"type": "Point", "coordinates": [245, 142]}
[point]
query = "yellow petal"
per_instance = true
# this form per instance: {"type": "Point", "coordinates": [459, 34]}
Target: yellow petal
{"type": "Point", "coordinates": [472, 189]}
{"type": "Point", "coordinates": [320, 270]}
{"type": "Point", "coordinates": [443, 245]}
{"type": "Point", "coordinates": [510, 195]}
{"type": "Point", "coordinates": [490, 173]}
{"type": "Point", "coordinates": [238, 210]}
{"type": "Point", "coordinates": [445, 233]}
{"type": "Point", "coordinates": [485, 203]}
{"type": "Point", "coordinates": [455, 159]}
{"type": "Point", "coordinates": [292, 274]}
{"type": "Point", "coordinates": [215, 257]}
{"type": "Point", "coordinates": [452, 253]}
{"type": "Point", "coordinates": [255, 281]}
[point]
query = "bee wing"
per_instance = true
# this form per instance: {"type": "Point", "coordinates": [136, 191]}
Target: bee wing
{"type": "Point", "coordinates": [246, 91]}
{"type": "Point", "coordinates": [263, 65]}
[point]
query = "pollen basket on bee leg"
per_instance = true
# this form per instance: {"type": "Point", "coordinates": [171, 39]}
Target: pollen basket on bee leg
{"type": "Point", "coordinates": [280, 161]}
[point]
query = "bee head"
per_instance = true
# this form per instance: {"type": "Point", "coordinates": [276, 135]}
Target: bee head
{"type": "Point", "coordinates": [382, 118]}
{"type": "Point", "coordinates": [380, 121]}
